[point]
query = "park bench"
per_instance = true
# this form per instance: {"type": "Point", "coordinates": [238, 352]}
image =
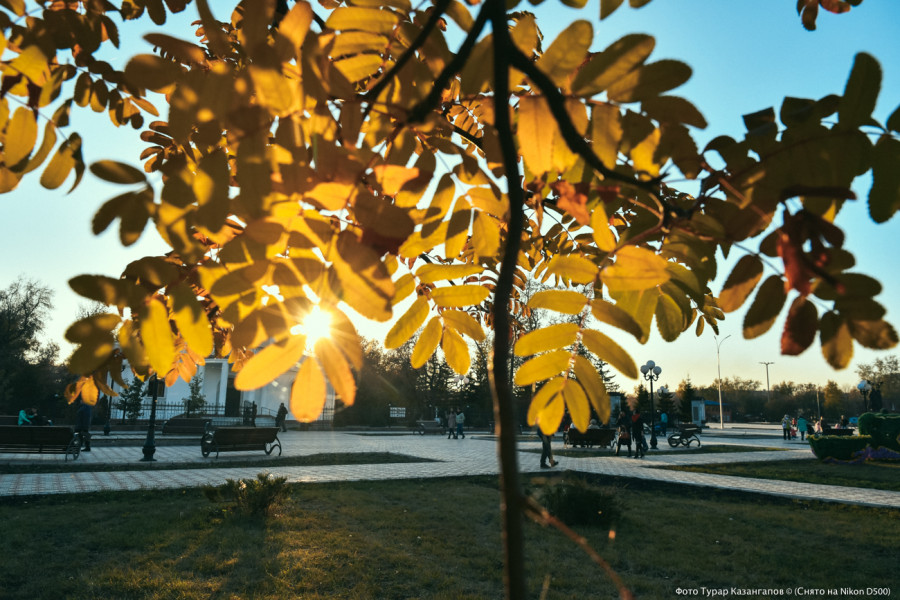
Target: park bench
{"type": "Point", "coordinates": [186, 425]}
{"type": "Point", "coordinates": [57, 439]}
{"type": "Point", "coordinates": [240, 439]}
{"type": "Point", "coordinates": [423, 427]}
{"type": "Point", "coordinates": [592, 437]}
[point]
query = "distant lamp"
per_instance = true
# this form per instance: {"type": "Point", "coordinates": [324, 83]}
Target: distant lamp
{"type": "Point", "coordinates": [865, 388]}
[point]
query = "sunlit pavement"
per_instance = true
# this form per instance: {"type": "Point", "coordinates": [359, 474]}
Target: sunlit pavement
{"type": "Point", "coordinates": [474, 455]}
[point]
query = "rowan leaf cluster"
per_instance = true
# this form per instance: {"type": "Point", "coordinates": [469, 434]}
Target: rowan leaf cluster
{"type": "Point", "coordinates": [423, 163]}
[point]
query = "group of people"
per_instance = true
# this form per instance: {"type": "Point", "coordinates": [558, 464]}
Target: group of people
{"type": "Point", "coordinates": [456, 418]}
{"type": "Point", "coordinates": [630, 428]}
{"type": "Point", "coordinates": [791, 427]}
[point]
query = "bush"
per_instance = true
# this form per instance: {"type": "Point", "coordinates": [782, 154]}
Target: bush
{"type": "Point", "coordinates": [839, 447]}
{"type": "Point", "coordinates": [250, 496]}
{"type": "Point", "coordinates": [575, 502]}
{"type": "Point", "coordinates": [884, 429]}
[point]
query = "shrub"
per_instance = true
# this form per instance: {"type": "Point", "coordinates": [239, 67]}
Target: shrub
{"type": "Point", "coordinates": [840, 447]}
{"type": "Point", "coordinates": [575, 502]}
{"type": "Point", "coordinates": [884, 429]}
{"type": "Point", "coordinates": [250, 496]}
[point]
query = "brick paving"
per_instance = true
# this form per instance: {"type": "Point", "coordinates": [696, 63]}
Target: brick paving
{"type": "Point", "coordinates": [475, 455]}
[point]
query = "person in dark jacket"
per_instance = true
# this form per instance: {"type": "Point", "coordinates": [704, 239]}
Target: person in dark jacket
{"type": "Point", "coordinates": [637, 433]}
{"type": "Point", "coordinates": [83, 424]}
{"type": "Point", "coordinates": [280, 416]}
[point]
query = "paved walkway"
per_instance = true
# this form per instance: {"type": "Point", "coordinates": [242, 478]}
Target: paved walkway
{"type": "Point", "coordinates": [475, 455]}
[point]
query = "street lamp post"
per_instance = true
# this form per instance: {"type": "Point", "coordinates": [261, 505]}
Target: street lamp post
{"type": "Point", "coordinates": [865, 387]}
{"type": "Point", "coordinates": [149, 448]}
{"type": "Point", "coordinates": [768, 393]}
{"type": "Point", "coordinates": [651, 373]}
{"type": "Point", "coordinates": [719, 369]}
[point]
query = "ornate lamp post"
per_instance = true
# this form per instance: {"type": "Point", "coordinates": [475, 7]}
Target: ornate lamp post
{"type": "Point", "coordinates": [865, 387]}
{"type": "Point", "coordinates": [149, 448]}
{"type": "Point", "coordinates": [651, 373]}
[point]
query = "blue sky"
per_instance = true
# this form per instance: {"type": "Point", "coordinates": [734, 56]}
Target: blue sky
{"type": "Point", "coordinates": [745, 56]}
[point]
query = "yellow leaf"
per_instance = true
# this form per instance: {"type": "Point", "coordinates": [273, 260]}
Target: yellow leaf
{"type": "Point", "coordinates": [150, 72]}
{"type": "Point", "coordinates": [615, 316]}
{"type": "Point", "coordinates": [564, 301]}
{"type": "Point", "coordinates": [336, 369]}
{"type": "Point", "coordinates": [156, 333]}
{"type": "Point", "coordinates": [573, 268]}
{"type": "Point", "coordinates": [295, 25]}
{"type": "Point", "coordinates": [547, 407]}
{"type": "Point", "coordinates": [21, 135]}
{"type": "Point", "coordinates": [567, 51]}
{"type": "Point", "coordinates": [363, 19]}
{"type": "Point", "coordinates": [456, 351]}
{"type": "Point", "coordinates": [606, 133]}
{"type": "Point", "coordinates": [66, 158]}
{"type": "Point", "coordinates": [191, 319]}
{"type": "Point", "coordinates": [536, 147]}
{"type": "Point", "coordinates": [332, 195]}
{"type": "Point", "coordinates": [117, 172]}
{"type": "Point", "coordinates": [552, 337]}
{"type": "Point", "coordinates": [644, 155]}
{"type": "Point", "coordinates": [602, 232]}
{"type": "Point", "coordinates": [308, 394]}
{"type": "Point", "coordinates": [610, 352]}
{"type": "Point", "coordinates": [407, 325]}
{"type": "Point", "coordinates": [404, 286]}
{"type": "Point", "coordinates": [456, 296]}
{"type": "Point", "coordinates": [89, 392]}
{"type": "Point", "coordinates": [593, 386]}
{"type": "Point", "coordinates": [485, 235]}
{"type": "Point", "coordinates": [543, 367]}
{"type": "Point", "coordinates": [836, 339]}
{"type": "Point", "coordinates": [427, 343]}
{"type": "Point", "coordinates": [132, 347]}
{"type": "Point", "coordinates": [609, 66]}
{"type": "Point", "coordinates": [456, 230]}
{"type": "Point", "coordinates": [635, 269]}
{"type": "Point", "coordinates": [393, 177]}
{"type": "Point", "coordinates": [670, 319]}
{"type": "Point", "coordinates": [359, 67]}
{"type": "Point", "coordinates": [463, 322]}
{"type": "Point", "coordinates": [577, 403]}
{"type": "Point", "coordinates": [430, 273]}
{"type": "Point", "coordinates": [270, 362]}
{"type": "Point", "coordinates": [742, 280]}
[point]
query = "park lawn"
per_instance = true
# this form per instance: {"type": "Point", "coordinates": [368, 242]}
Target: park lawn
{"type": "Point", "coordinates": [883, 475]}
{"type": "Point", "coordinates": [267, 462]}
{"type": "Point", "coordinates": [435, 538]}
{"type": "Point", "coordinates": [605, 451]}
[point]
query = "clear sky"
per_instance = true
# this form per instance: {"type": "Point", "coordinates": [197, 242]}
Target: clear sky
{"type": "Point", "coordinates": [746, 56]}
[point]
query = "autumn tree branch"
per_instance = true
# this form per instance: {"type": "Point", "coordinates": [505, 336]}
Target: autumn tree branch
{"type": "Point", "coordinates": [511, 506]}
{"type": "Point", "coordinates": [434, 18]}
{"type": "Point", "coordinates": [421, 110]}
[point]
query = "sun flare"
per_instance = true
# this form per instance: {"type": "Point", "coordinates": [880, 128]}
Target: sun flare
{"type": "Point", "coordinates": [316, 325]}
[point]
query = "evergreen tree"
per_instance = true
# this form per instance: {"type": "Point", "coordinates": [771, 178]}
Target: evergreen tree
{"type": "Point", "coordinates": [687, 394]}
{"type": "Point", "coordinates": [131, 400]}
{"type": "Point", "coordinates": [197, 400]}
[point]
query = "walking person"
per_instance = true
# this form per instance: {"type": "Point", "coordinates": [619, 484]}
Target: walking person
{"type": "Point", "coordinates": [624, 428]}
{"type": "Point", "coordinates": [253, 409]}
{"type": "Point", "coordinates": [451, 424]}
{"type": "Point", "coordinates": [546, 449]}
{"type": "Point", "coordinates": [801, 427]}
{"type": "Point", "coordinates": [280, 416]}
{"type": "Point", "coordinates": [637, 433]}
{"type": "Point", "coordinates": [786, 427]}
{"type": "Point", "coordinates": [83, 425]}
{"type": "Point", "coordinates": [460, 421]}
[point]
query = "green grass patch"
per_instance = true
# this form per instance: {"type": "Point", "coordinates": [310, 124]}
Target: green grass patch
{"type": "Point", "coordinates": [879, 476]}
{"type": "Point", "coordinates": [594, 452]}
{"type": "Point", "coordinates": [312, 460]}
{"type": "Point", "coordinates": [436, 539]}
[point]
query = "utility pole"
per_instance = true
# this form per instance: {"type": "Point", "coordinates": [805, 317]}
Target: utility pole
{"type": "Point", "coordinates": [719, 368]}
{"type": "Point", "coordinates": [768, 393]}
